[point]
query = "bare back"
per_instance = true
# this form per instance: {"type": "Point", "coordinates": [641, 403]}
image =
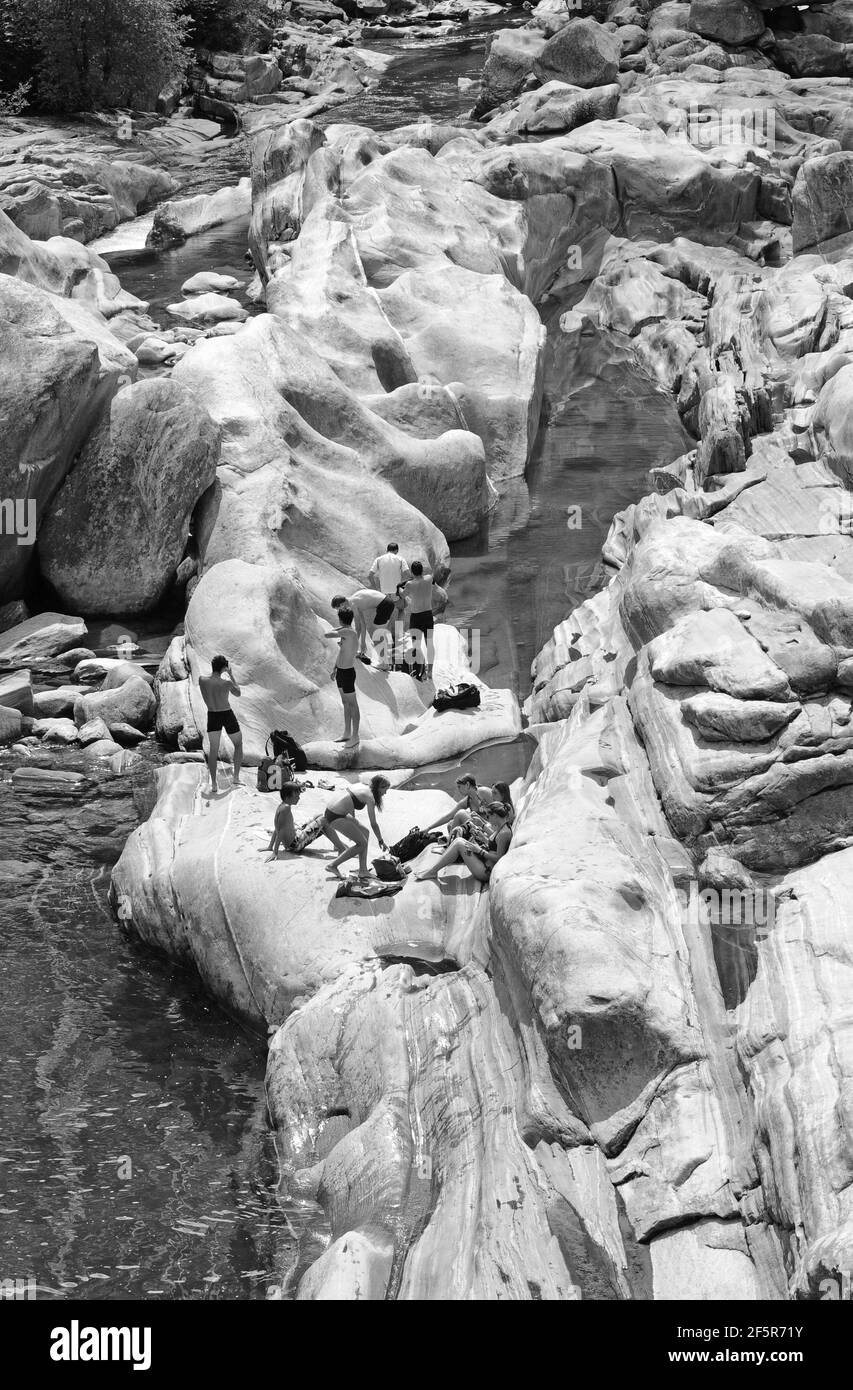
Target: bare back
{"type": "Point", "coordinates": [215, 692]}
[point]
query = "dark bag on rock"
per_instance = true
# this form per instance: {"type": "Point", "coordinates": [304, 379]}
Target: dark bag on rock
{"type": "Point", "coordinates": [274, 772]}
{"type": "Point", "coordinates": [281, 744]}
{"type": "Point", "coordinates": [463, 696]}
{"type": "Point", "coordinates": [413, 843]}
{"type": "Point", "coordinates": [389, 869]}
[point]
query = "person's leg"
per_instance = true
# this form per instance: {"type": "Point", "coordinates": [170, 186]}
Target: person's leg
{"type": "Point", "coordinates": [451, 855]}
{"type": "Point", "coordinates": [353, 714]}
{"type": "Point", "coordinates": [429, 645]}
{"type": "Point", "coordinates": [237, 740]}
{"type": "Point", "coordinates": [361, 631]}
{"type": "Point", "coordinates": [349, 827]}
{"type": "Point", "coordinates": [213, 738]}
{"type": "Point", "coordinates": [331, 834]}
{"type": "Point", "coordinates": [473, 862]}
{"type": "Point", "coordinates": [344, 738]}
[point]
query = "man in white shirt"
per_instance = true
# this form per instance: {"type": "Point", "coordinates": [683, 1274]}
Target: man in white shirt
{"type": "Point", "coordinates": [388, 571]}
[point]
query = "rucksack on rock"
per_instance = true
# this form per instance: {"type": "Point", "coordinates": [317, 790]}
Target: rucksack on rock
{"type": "Point", "coordinates": [389, 869]}
{"type": "Point", "coordinates": [462, 696]}
{"type": "Point", "coordinates": [413, 843]}
{"type": "Point", "coordinates": [281, 744]}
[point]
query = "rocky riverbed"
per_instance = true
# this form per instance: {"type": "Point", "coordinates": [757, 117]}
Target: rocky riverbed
{"type": "Point", "coordinates": [594, 1079]}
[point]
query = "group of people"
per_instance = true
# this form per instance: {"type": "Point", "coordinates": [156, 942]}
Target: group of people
{"type": "Point", "coordinates": [478, 835]}
{"type": "Point", "coordinates": [400, 606]}
{"type": "Point", "coordinates": [397, 613]}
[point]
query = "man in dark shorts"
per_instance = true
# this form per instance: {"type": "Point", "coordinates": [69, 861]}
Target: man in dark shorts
{"type": "Point", "coordinates": [344, 672]}
{"type": "Point", "coordinates": [216, 691]}
{"type": "Point", "coordinates": [418, 593]}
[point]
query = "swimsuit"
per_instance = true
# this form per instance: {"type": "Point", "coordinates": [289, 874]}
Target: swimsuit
{"type": "Point", "coordinates": [422, 622]}
{"type": "Point", "coordinates": [219, 719]}
{"type": "Point", "coordinates": [384, 611]}
{"type": "Point", "coordinates": [345, 679]}
{"type": "Point", "coordinates": [357, 805]}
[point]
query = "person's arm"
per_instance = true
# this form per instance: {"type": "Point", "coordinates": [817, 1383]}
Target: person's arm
{"type": "Point", "coordinates": [371, 816]}
{"type": "Point", "coordinates": [235, 689]}
{"type": "Point", "coordinates": [448, 816]}
{"type": "Point", "coordinates": [335, 632]}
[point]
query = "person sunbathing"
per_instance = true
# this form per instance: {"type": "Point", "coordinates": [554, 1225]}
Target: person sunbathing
{"type": "Point", "coordinates": [480, 860]}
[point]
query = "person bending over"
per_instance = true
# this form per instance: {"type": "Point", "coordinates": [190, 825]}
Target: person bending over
{"type": "Point", "coordinates": [216, 691]}
{"type": "Point", "coordinates": [480, 861]}
{"type": "Point", "coordinates": [344, 673]}
{"type": "Point", "coordinates": [284, 831]}
{"type": "Point", "coordinates": [371, 609]}
{"type": "Point", "coordinates": [340, 819]}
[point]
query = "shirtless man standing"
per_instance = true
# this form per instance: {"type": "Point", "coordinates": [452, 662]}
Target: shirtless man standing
{"type": "Point", "coordinates": [344, 672]}
{"type": "Point", "coordinates": [418, 593]}
{"type": "Point", "coordinates": [216, 691]}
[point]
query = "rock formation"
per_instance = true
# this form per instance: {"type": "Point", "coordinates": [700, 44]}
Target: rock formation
{"type": "Point", "coordinates": [620, 1071]}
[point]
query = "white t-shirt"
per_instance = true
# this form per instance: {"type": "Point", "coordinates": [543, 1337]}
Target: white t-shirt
{"type": "Point", "coordinates": [388, 569]}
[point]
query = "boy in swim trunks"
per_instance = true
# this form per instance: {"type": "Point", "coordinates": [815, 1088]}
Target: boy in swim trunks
{"type": "Point", "coordinates": [344, 672]}
{"type": "Point", "coordinates": [216, 691]}
{"type": "Point", "coordinates": [284, 831]}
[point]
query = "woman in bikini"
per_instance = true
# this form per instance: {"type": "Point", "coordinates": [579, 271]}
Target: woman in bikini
{"type": "Point", "coordinates": [479, 860]}
{"type": "Point", "coordinates": [340, 819]}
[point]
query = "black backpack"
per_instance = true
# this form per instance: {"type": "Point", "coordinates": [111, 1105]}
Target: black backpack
{"type": "Point", "coordinates": [412, 843]}
{"type": "Point", "coordinates": [463, 696]}
{"type": "Point", "coordinates": [281, 743]}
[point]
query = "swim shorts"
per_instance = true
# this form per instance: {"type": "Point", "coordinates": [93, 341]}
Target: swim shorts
{"type": "Point", "coordinates": [219, 719]}
{"type": "Point", "coordinates": [384, 611]}
{"type": "Point", "coordinates": [422, 622]}
{"type": "Point", "coordinates": [345, 679]}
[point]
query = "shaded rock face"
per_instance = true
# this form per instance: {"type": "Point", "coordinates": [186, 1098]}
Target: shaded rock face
{"type": "Point", "coordinates": [823, 199]}
{"type": "Point", "coordinates": [731, 21]}
{"type": "Point", "coordinates": [583, 53]}
{"type": "Point", "coordinates": [117, 528]}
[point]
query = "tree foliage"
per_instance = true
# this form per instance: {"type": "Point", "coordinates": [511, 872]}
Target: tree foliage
{"type": "Point", "coordinates": [85, 54]}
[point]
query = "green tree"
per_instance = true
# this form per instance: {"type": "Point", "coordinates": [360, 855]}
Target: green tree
{"type": "Point", "coordinates": [106, 53]}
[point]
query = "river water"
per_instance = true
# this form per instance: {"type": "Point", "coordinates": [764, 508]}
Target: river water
{"type": "Point", "coordinates": [136, 1159]}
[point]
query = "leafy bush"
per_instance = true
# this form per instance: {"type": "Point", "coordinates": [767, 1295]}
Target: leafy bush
{"type": "Point", "coordinates": [13, 103]}
{"type": "Point", "coordinates": [228, 24]}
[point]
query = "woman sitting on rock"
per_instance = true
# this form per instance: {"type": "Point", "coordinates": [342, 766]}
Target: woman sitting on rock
{"type": "Point", "coordinates": [479, 860]}
{"type": "Point", "coordinates": [501, 792]}
{"type": "Point", "coordinates": [340, 819]}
